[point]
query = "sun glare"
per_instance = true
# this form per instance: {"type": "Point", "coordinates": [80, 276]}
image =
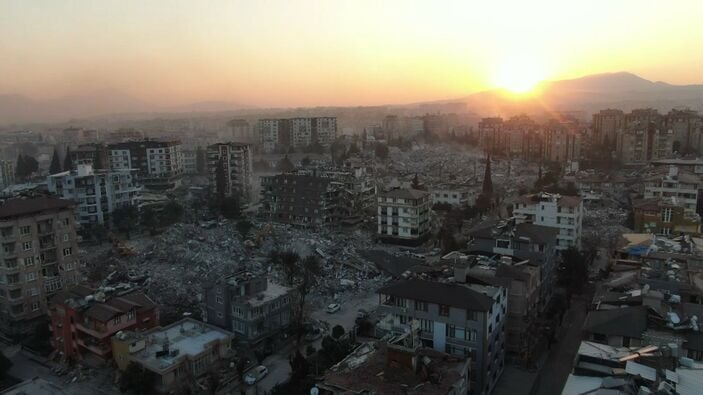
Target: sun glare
{"type": "Point", "coordinates": [519, 75]}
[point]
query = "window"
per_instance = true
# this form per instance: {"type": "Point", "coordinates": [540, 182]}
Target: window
{"type": "Point", "coordinates": [25, 230]}
{"type": "Point", "coordinates": [33, 291]}
{"type": "Point", "coordinates": [427, 325]}
{"type": "Point", "coordinates": [31, 276]}
{"type": "Point", "coordinates": [27, 245]}
{"type": "Point", "coordinates": [220, 300]}
{"type": "Point", "coordinates": [68, 251]}
{"type": "Point", "coordinates": [117, 320]}
{"type": "Point", "coordinates": [29, 261]}
{"type": "Point", "coordinates": [130, 315]}
{"type": "Point", "coordinates": [422, 306]}
{"type": "Point", "coordinates": [444, 310]}
{"type": "Point", "coordinates": [666, 214]}
{"type": "Point", "coordinates": [65, 237]}
{"type": "Point", "coordinates": [35, 306]}
{"type": "Point", "coordinates": [471, 315]}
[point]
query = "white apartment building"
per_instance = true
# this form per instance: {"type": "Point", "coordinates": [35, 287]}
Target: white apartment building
{"type": "Point", "coordinates": [404, 216]}
{"type": "Point", "coordinates": [190, 161]}
{"type": "Point", "coordinates": [96, 193]}
{"type": "Point", "coordinates": [456, 195]}
{"type": "Point", "coordinates": [296, 132]}
{"type": "Point", "coordinates": [682, 185]}
{"type": "Point", "coordinates": [237, 161]}
{"type": "Point", "coordinates": [555, 211]}
{"type": "Point", "coordinates": [268, 130]}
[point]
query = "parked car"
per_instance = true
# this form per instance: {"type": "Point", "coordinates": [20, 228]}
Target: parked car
{"type": "Point", "coordinates": [255, 374]}
{"type": "Point", "coordinates": [333, 308]}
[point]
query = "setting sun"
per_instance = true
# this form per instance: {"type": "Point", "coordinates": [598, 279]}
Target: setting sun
{"type": "Point", "coordinates": [519, 74]}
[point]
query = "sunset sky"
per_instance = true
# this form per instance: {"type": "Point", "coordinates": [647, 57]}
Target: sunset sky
{"type": "Point", "coordinates": [302, 53]}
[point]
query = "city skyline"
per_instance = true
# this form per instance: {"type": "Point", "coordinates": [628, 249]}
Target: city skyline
{"type": "Point", "coordinates": [334, 53]}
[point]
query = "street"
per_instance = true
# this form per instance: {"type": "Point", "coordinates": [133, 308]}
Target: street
{"type": "Point", "coordinates": [278, 364]}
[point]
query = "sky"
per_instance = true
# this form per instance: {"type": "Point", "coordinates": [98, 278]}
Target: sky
{"type": "Point", "coordinates": [327, 52]}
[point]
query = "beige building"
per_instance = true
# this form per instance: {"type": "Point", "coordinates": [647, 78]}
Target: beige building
{"type": "Point", "coordinates": [39, 257]}
{"type": "Point", "coordinates": [177, 355]}
{"type": "Point", "coordinates": [674, 183]}
{"type": "Point", "coordinates": [607, 123]}
{"type": "Point", "coordinates": [236, 159]}
{"type": "Point", "coordinates": [641, 143]}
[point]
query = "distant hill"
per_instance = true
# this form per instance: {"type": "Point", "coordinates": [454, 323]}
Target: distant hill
{"type": "Point", "coordinates": [590, 94]}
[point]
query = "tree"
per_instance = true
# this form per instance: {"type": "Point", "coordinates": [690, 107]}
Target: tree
{"type": "Point", "coordinates": [243, 227]}
{"type": "Point", "coordinates": [171, 213]}
{"type": "Point", "coordinates": [220, 180]}
{"type": "Point", "coordinates": [381, 151]}
{"type": "Point", "coordinates": [416, 182]}
{"type": "Point", "coordinates": [287, 262]}
{"type": "Point", "coordinates": [308, 275]}
{"type": "Point", "coordinates": [200, 160]}
{"type": "Point", "coordinates": [55, 166]}
{"type": "Point", "coordinates": [337, 332]}
{"type": "Point", "coordinates": [20, 167]}
{"type": "Point", "coordinates": [137, 380]}
{"type": "Point", "coordinates": [32, 164]}
{"type": "Point", "coordinates": [26, 165]}
{"type": "Point", "coordinates": [125, 219]}
{"type": "Point", "coordinates": [573, 271]}
{"type": "Point", "coordinates": [229, 207]}
{"type": "Point", "coordinates": [299, 367]}
{"type": "Point", "coordinates": [67, 162]}
{"type": "Point", "coordinates": [285, 165]}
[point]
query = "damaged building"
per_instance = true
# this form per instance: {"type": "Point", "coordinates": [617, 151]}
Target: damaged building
{"type": "Point", "coordinates": [404, 216]}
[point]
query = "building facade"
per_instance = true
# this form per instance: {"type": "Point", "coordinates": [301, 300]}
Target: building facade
{"type": "Point", "coordinates": [236, 162]}
{"type": "Point", "coordinates": [404, 216]}
{"type": "Point", "coordinates": [97, 193]}
{"type": "Point", "coordinates": [460, 319]}
{"type": "Point", "coordinates": [158, 163]}
{"type": "Point", "coordinates": [296, 132]}
{"type": "Point", "coordinates": [7, 173]}
{"type": "Point", "coordinates": [252, 307]}
{"type": "Point", "coordinates": [642, 143]}
{"type": "Point", "coordinates": [83, 320]}
{"type": "Point", "coordinates": [555, 211]}
{"type": "Point", "coordinates": [300, 199]}
{"type": "Point", "coordinates": [39, 258]}
{"type": "Point", "coordinates": [665, 216]}
{"type": "Point", "coordinates": [676, 183]}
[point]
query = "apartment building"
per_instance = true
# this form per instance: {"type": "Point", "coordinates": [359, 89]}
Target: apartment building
{"type": "Point", "coordinates": [83, 320]}
{"type": "Point", "coordinates": [97, 193]}
{"type": "Point", "coordinates": [607, 123]}
{"type": "Point", "coordinates": [561, 144]}
{"type": "Point", "coordinates": [665, 216]}
{"type": "Point", "coordinates": [357, 183]}
{"type": "Point", "coordinates": [7, 174]}
{"type": "Point", "coordinates": [404, 216]}
{"type": "Point", "coordinates": [555, 211]}
{"type": "Point", "coordinates": [490, 133]}
{"type": "Point", "coordinates": [460, 319]}
{"type": "Point", "coordinates": [642, 143]}
{"type": "Point", "coordinates": [236, 162]}
{"type": "Point", "coordinates": [189, 157]}
{"type": "Point", "coordinates": [252, 307]}
{"type": "Point", "coordinates": [39, 257]}
{"type": "Point", "coordinates": [177, 355]}
{"type": "Point", "coordinates": [686, 125]}
{"type": "Point", "coordinates": [300, 199]}
{"type": "Point", "coordinates": [158, 163]}
{"type": "Point", "coordinates": [241, 131]}
{"type": "Point", "coordinates": [296, 132]}
{"type": "Point", "coordinates": [456, 195]}
{"type": "Point", "coordinates": [95, 154]}
{"type": "Point", "coordinates": [676, 183]}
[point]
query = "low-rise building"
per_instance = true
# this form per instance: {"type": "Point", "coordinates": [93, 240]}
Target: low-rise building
{"type": "Point", "coordinates": [673, 182]}
{"type": "Point", "coordinates": [399, 366]}
{"type": "Point", "coordinates": [39, 257]}
{"type": "Point", "coordinates": [404, 216]}
{"type": "Point", "coordinates": [83, 320]}
{"type": "Point", "coordinates": [555, 211]}
{"type": "Point", "coordinates": [176, 355]}
{"type": "Point", "coordinates": [456, 195]}
{"type": "Point", "coordinates": [460, 319]}
{"type": "Point", "coordinates": [665, 217]}
{"type": "Point", "coordinates": [97, 193]}
{"type": "Point", "coordinates": [251, 306]}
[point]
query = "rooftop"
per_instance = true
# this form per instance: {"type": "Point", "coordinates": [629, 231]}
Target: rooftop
{"type": "Point", "coordinates": [448, 294]}
{"type": "Point", "coordinates": [186, 337]}
{"type": "Point", "coordinates": [626, 321]}
{"type": "Point", "coordinates": [561, 200]}
{"type": "Point", "coordinates": [408, 193]}
{"type": "Point", "coordinates": [25, 206]}
{"type": "Point", "coordinates": [102, 305]}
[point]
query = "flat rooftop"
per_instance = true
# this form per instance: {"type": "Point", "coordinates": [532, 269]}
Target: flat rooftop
{"type": "Point", "coordinates": [188, 336]}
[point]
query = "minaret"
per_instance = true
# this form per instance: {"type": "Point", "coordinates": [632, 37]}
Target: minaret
{"type": "Point", "coordinates": [487, 182]}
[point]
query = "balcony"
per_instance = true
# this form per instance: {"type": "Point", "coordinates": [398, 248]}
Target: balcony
{"type": "Point", "coordinates": [96, 347]}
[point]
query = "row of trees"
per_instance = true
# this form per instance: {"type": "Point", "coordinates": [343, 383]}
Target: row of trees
{"type": "Point", "coordinates": [56, 166]}
{"type": "Point", "coordinates": [26, 165]}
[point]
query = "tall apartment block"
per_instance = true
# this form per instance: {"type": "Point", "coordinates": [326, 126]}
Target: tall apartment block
{"type": "Point", "coordinates": [296, 132]}
{"type": "Point", "coordinates": [404, 216]}
{"type": "Point", "coordinates": [555, 211]}
{"type": "Point", "coordinates": [97, 193]}
{"type": "Point", "coordinates": [242, 132]}
{"type": "Point", "coordinates": [158, 163]}
{"type": "Point", "coordinates": [300, 199]}
{"type": "Point", "coordinates": [39, 257]}
{"type": "Point", "coordinates": [642, 142]}
{"type": "Point", "coordinates": [607, 123]}
{"type": "Point", "coordinates": [236, 160]}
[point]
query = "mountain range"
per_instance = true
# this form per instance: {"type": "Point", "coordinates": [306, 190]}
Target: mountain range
{"type": "Point", "coordinates": [588, 94]}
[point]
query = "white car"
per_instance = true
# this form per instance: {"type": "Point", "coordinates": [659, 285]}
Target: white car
{"type": "Point", "coordinates": [256, 374]}
{"type": "Point", "coordinates": [333, 308]}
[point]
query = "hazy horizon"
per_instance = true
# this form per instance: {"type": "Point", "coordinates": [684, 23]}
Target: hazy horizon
{"type": "Point", "coordinates": [313, 53]}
